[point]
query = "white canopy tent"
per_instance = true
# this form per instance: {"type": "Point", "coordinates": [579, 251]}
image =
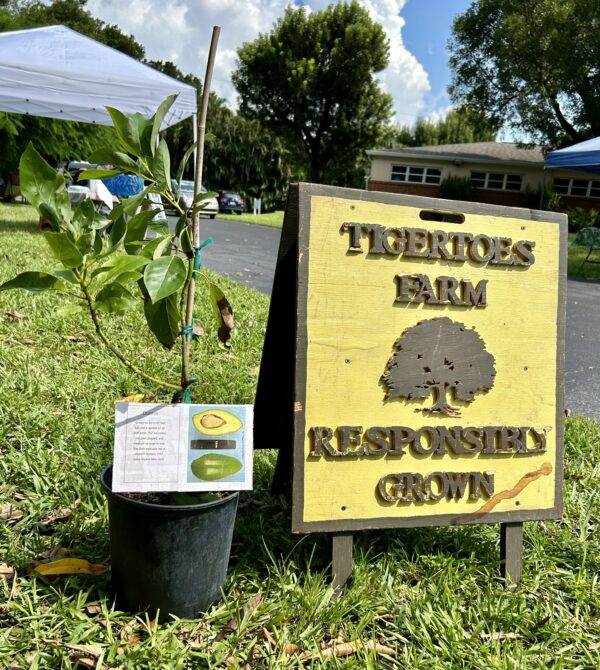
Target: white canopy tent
{"type": "Point", "coordinates": [58, 73]}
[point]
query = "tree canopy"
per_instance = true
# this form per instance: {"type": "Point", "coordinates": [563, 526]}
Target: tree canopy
{"type": "Point", "coordinates": [533, 65]}
{"type": "Point", "coordinates": [311, 80]}
{"type": "Point", "coordinates": [457, 127]}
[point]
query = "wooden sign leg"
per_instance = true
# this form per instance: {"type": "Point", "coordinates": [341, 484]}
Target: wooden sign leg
{"type": "Point", "coordinates": [341, 559]}
{"type": "Point", "coordinates": [511, 552]}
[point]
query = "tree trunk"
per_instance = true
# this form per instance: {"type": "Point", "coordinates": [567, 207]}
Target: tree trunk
{"type": "Point", "coordinates": [441, 405]}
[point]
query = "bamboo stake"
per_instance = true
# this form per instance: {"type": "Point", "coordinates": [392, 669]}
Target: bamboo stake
{"type": "Point", "coordinates": [189, 313]}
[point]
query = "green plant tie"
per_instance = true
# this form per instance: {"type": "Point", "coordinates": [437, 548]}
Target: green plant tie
{"type": "Point", "coordinates": [198, 255]}
{"type": "Point", "coordinates": [186, 393]}
{"type": "Point", "coordinates": [188, 330]}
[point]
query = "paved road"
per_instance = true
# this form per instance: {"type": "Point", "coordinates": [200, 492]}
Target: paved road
{"type": "Point", "coordinates": [247, 253]}
{"type": "Point", "coordinates": [243, 252]}
{"type": "Point", "coordinates": [582, 370]}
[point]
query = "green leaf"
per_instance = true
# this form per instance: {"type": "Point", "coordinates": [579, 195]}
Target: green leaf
{"type": "Point", "coordinates": [184, 161]}
{"type": "Point", "coordinates": [50, 215]}
{"type": "Point", "coordinates": [136, 230]}
{"type": "Point", "coordinates": [97, 173]}
{"type": "Point", "coordinates": [163, 319]}
{"type": "Point", "coordinates": [35, 281]}
{"type": "Point", "coordinates": [117, 233]}
{"type": "Point", "coordinates": [114, 298]}
{"type": "Point", "coordinates": [85, 243]}
{"type": "Point", "coordinates": [41, 184]}
{"type": "Point", "coordinates": [63, 249]}
{"type": "Point", "coordinates": [164, 276]}
{"type": "Point", "coordinates": [163, 247]}
{"type": "Point", "coordinates": [109, 156]}
{"type": "Point", "coordinates": [127, 131]}
{"type": "Point", "coordinates": [115, 267]}
{"type": "Point", "coordinates": [223, 313]}
{"type": "Point", "coordinates": [65, 274]}
{"type": "Point", "coordinates": [185, 241]}
{"type": "Point", "coordinates": [129, 205]}
{"type": "Point", "coordinates": [182, 222]}
{"type": "Point", "coordinates": [36, 178]}
{"type": "Point", "coordinates": [68, 310]}
{"type": "Point", "coordinates": [161, 167]}
{"type": "Point", "coordinates": [158, 118]}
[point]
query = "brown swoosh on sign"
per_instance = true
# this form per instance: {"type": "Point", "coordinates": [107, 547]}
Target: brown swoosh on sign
{"type": "Point", "coordinates": [525, 480]}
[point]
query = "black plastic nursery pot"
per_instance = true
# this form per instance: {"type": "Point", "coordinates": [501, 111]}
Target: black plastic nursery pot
{"type": "Point", "coordinates": [171, 558]}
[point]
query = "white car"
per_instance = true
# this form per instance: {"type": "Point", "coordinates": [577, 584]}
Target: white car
{"type": "Point", "coordinates": [185, 198]}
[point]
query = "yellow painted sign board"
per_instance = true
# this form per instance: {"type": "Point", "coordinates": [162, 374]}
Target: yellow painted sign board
{"type": "Point", "coordinates": [428, 361]}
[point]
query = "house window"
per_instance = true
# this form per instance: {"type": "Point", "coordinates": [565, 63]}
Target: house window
{"type": "Point", "coordinates": [496, 181]}
{"type": "Point", "coordinates": [585, 188]}
{"type": "Point", "coordinates": [416, 175]}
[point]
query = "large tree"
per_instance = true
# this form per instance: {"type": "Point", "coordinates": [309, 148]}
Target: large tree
{"type": "Point", "coordinates": [311, 80]}
{"type": "Point", "coordinates": [457, 127]}
{"type": "Point", "coordinates": [533, 65]}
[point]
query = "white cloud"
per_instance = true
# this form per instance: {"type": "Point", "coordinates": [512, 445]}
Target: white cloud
{"type": "Point", "coordinates": [180, 30]}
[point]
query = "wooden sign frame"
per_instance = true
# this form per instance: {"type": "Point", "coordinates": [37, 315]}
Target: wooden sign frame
{"type": "Point", "coordinates": [281, 396]}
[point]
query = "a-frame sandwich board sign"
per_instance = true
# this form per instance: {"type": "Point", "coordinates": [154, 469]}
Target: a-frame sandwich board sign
{"type": "Point", "coordinates": [413, 365]}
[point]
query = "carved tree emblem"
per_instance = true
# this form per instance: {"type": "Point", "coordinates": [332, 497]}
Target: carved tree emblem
{"type": "Point", "coordinates": [439, 356]}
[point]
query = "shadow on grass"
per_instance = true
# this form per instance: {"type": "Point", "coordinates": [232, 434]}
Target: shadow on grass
{"type": "Point", "coordinates": [18, 227]}
{"type": "Point", "coordinates": [263, 531]}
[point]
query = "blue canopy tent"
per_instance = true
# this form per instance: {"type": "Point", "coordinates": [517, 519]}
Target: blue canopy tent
{"type": "Point", "coordinates": [582, 157]}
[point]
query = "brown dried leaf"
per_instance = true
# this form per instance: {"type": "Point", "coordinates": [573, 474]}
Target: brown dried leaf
{"type": "Point", "coordinates": [128, 629]}
{"type": "Point", "coordinates": [10, 513]}
{"type": "Point", "coordinates": [351, 648]}
{"type": "Point", "coordinates": [232, 661]}
{"type": "Point", "coordinates": [82, 650]}
{"type": "Point", "coordinates": [60, 515]}
{"type": "Point", "coordinates": [254, 372]}
{"type": "Point", "coordinates": [26, 341]}
{"type": "Point", "coordinates": [74, 338]}
{"type": "Point", "coordinates": [594, 646]}
{"type": "Point", "coordinates": [291, 649]}
{"type": "Point", "coordinates": [6, 571]}
{"type": "Point", "coordinates": [197, 332]}
{"type": "Point", "coordinates": [249, 608]}
{"type": "Point", "coordinates": [14, 314]}
{"type": "Point", "coordinates": [488, 637]}
{"type": "Point", "coordinates": [93, 609]}
{"type": "Point", "coordinates": [56, 552]}
{"type": "Point", "coordinates": [270, 639]}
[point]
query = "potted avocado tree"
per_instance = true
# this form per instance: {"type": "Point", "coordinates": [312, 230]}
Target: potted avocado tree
{"type": "Point", "coordinates": [170, 551]}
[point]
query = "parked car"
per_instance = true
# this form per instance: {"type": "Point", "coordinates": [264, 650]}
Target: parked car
{"type": "Point", "coordinates": [185, 197]}
{"type": "Point", "coordinates": [230, 201]}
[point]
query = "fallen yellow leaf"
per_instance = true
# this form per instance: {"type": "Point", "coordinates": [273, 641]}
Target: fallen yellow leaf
{"type": "Point", "coordinates": [136, 397]}
{"type": "Point", "coordinates": [70, 566]}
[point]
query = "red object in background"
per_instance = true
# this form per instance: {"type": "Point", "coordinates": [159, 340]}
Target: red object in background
{"type": "Point", "coordinates": [43, 224]}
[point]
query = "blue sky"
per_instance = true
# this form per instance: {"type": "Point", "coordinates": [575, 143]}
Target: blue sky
{"type": "Point", "coordinates": [179, 30]}
{"type": "Point", "coordinates": [426, 34]}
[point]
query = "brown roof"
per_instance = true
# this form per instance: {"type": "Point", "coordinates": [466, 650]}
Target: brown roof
{"type": "Point", "coordinates": [508, 152]}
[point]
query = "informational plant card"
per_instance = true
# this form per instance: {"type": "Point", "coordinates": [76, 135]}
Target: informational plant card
{"type": "Point", "coordinates": [182, 447]}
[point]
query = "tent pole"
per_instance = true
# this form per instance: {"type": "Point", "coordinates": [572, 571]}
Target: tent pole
{"type": "Point", "coordinates": [195, 139]}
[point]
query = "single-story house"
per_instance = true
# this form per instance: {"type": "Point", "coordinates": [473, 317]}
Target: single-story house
{"type": "Point", "coordinates": [503, 173]}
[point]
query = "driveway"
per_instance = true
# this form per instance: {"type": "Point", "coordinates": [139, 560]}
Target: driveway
{"type": "Point", "coordinates": [247, 253]}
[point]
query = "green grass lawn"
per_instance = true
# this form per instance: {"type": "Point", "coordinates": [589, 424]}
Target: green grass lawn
{"type": "Point", "coordinates": [432, 595]}
{"type": "Point", "coordinates": [577, 255]}
{"type": "Point", "coordinates": [273, 219]}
